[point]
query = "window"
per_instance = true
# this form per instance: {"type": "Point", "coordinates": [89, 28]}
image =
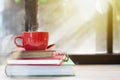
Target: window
{"type": "Point", "coordinates": [88, 30]}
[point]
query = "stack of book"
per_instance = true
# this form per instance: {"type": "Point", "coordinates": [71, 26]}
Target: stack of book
{"type": "Point", "coordinates": [39, 63]}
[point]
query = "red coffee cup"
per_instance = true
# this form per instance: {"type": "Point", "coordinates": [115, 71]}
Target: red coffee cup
{"type": "Point", "coordinates": [33, 40]}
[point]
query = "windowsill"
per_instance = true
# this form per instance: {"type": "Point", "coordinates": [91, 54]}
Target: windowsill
{"type": "Point", "coordinates": [96, 59]}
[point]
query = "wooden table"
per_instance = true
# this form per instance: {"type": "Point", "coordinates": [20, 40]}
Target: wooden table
{"type": "Point", "coordinates": [82, 72]}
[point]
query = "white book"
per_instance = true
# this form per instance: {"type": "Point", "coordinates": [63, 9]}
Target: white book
{"type": "Point", "coordinates": [32, 71]}
{"type": "Point", "coordinates": [66, 69]}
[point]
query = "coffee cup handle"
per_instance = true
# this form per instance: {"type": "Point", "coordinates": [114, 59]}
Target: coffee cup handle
{"type": "Point", "coordinates": [18, 45]}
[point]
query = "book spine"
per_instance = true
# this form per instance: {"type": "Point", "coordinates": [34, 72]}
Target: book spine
{"type": "Point", "coordinates": [55, 57]}
{"type": "Point", "coordinates": [36, 64]}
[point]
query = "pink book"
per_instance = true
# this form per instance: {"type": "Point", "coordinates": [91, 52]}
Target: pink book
{"type": "Point", "coordinates": [56, 59]}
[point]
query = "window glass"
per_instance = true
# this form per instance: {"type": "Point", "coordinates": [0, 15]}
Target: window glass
{"type": "Point", "coordinates": [116, 28]}
{"type": "Point", "coordinates": [75, 26]}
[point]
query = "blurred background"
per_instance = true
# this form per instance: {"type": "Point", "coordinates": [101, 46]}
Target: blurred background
{"type": "Point", "coordinates": [75, 26]}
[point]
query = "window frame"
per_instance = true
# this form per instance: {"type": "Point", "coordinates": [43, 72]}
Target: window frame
{"type": "Point", "coordinates": [103, 58]}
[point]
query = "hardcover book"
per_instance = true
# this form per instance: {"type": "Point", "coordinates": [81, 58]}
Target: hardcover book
{"type": "Point", "coordinates": [56, 59]}
{"type": "Point", "coordinates": [66, 69]}
{"type": "Point", "coordinates": [32, 54]}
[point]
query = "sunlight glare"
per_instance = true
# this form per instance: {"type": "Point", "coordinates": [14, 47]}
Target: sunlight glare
{"type": "Point", "coordinates": [102, 6]}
